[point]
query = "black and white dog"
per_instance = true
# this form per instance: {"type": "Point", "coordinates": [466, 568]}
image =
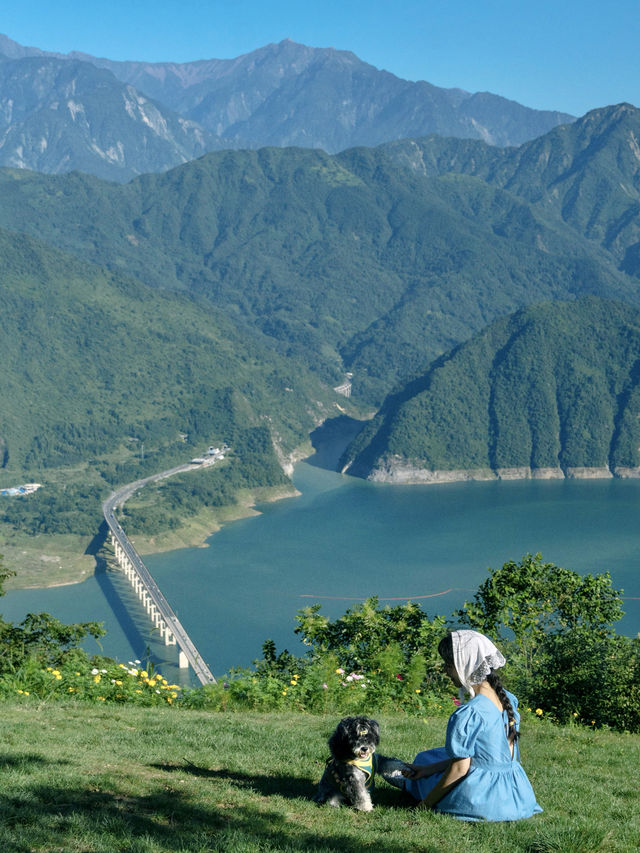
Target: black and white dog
{"type": "Point", "coordinates": [349, 774]}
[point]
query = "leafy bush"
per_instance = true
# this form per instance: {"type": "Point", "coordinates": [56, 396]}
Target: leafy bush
{"type": "Point", "coordinates": [556, 628]}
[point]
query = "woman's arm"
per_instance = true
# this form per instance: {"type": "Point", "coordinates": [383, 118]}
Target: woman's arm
{"type": "Point", "coordinates": [457, 770]}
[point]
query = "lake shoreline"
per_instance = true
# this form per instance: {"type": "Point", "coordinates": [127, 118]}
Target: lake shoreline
{"type": "Point", "coordinates": [399, 472]}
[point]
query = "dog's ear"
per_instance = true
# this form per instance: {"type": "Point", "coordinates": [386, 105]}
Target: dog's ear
{"type": "Point", "coordinates": [339, 740]}
{"type": "Point", "coordinates": [375, 729]}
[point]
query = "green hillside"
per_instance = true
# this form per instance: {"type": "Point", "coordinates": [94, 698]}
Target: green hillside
{"type": "Point", "coordinates": [344, 263]}
{"type": "Point", "coordinates": [586, 174]}
{"type": "Point", "coordinates": [556, 385]}
{"type": "Point", "coordinates": [106, 376]}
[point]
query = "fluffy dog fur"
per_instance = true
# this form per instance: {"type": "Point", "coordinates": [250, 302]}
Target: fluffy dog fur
{"type": "Point", "coordinates": [355, 738]}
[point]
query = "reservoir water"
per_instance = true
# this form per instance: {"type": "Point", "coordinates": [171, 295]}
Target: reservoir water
{"type": "Point", "coordinates": [344, 539]}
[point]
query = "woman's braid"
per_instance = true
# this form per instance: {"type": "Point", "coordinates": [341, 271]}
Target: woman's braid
{"type": "Point", "coordinates": [494, 680]}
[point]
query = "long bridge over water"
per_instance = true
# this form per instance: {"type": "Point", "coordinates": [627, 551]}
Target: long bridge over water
{"type": "Point", "coordinates": [145, 587]}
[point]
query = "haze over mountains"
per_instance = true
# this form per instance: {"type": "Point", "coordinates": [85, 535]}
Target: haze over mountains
{"type": "Point", "coordinates": [119, 119]}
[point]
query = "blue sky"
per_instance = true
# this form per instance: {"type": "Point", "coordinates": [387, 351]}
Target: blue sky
{"type": "Point", "coordinates": [553, 54]}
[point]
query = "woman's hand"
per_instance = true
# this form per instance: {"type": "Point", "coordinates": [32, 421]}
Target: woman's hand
{"type": "Point", "coordinates": [419, 771]}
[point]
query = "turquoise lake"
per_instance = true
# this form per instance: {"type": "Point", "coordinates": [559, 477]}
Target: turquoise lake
{"type": "Point", "coordinates": [344, 539]}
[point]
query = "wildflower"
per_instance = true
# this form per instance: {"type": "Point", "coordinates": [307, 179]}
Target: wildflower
{"type": "Point", "coordinates": [119, 683]}
{"type": "Point", "coordinates": [293, 682]}
{"type": "Point", "coordinates": [349, 678]}
{"type": "Point", "coordinates": [101, 699]}
{"type": "Point", "coordinates": [95, 671]}
{"type": "Point", "coordinates": [418, 690]}
{"type": "Point", "coordinates": [97, 678]}
{"type": "Point", "coordinates": [144, 673]}
{"type": "Point", "coordinates": [455, 701]}
{"type": "Point", "coordinates": [325, 686]}
{"type": "Point", "coordinates": [26, 693]}
{"type": "Point", "coordinates": [20, 691]}
{"type": "Point", "coordinates": [575, 713]}
{"type": "Point", "coordinates": [77, 673]}
{"type": "Point", "coordinates": [174, 695]}
{"type": "Point", "coordinates": [539, 712]}
{"type": "Point", "coordinates": [284, 692]}
{"type": "Point", "coordinates": [152, 682]}
{"type": "Point", "coordinates": [71, 689]}
{"type": "Point", "coordinates": [399, 677]}
{"type": "Point", "coordinates": [340, 670]}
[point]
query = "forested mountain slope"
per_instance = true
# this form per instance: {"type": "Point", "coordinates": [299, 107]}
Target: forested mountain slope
{"type": "Point", "coordinates": [552, 388]}
{"type": "Point", "coordinates": [345, 262]}
{"type": "Point", "coordinates": [94, 361]}
{"type": "Point", "coordinates": [587, 174]}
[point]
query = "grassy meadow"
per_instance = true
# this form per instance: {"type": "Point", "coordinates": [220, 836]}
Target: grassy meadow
{"type": "Point", "coordinates": [84, 779]}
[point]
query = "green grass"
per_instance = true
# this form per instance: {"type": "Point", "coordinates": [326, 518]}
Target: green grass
{"type": "Point", "coordinates": [75, 777]}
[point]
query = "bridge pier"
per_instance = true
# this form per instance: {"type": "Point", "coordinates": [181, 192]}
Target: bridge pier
{"type": "Point", "coordinates": [146, 600]}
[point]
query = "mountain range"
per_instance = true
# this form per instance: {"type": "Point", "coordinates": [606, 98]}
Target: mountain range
{"type": "Point", "coordinates": [60, 113]}
{"type": "Point", "coordinates": [360, 261]}
{"type": "Point", "coordinates": [226, 298]}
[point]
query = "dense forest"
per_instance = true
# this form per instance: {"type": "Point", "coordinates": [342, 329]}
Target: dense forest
{"type": "Point", "coordinates": [553, 386]}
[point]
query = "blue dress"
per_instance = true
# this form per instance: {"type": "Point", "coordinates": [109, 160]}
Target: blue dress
{"type": "Point", "coordinates": [496, 786]}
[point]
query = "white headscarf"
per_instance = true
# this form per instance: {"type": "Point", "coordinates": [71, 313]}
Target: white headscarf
{"type": "Point", "coordinates": [474, 656]}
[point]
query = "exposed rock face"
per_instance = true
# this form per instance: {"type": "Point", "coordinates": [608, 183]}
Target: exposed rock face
{"type": "Point", "coordinates": [401, 472]}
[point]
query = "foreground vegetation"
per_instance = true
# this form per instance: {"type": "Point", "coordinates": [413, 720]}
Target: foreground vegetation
{"type": "Point", "coordinates": [98, 779]}
{"type": "Point", "coordinates": [99, 756]}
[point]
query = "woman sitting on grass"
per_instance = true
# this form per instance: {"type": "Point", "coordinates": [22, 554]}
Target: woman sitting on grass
{"type": "Point", "coordinates": [477, 775]}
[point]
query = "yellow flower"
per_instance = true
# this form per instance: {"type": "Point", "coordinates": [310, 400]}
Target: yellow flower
{"type": "Point", "coordinates": [575, 713]}
{"type": "Point", "coordinates": [152, 682]}
{"type": "Point", "coordinates": [102, 699]}
{"type": "Point", "coordinates": [71, 690]}
{"type": "Point", "coordinates": [26, 693]}
{"type": "Point", "coordinates": [284, 692]}
{"type": "Point", "coordinates": [20, 691]}
{"type": "Point", "coordinates": [138, 691]}
{"type": "Point", "coordinates": [58, 677]}
{"type": "Point", "coordinates": [119, 683]}
{"type": "Point", "coordinates": [293, 681]}
{"type": "Point", "coordinates": [144, 673]}
{"type": "Point", "coordinates": [539, 712]}
{"type": "Point", "coordinates": [418, 690]}
{"type": "Point", "coordinates": [174, 695]}
{"type": "Point", "coordinates": [55, 672]}
{"type": "Point", "coordinates": [96, 679]}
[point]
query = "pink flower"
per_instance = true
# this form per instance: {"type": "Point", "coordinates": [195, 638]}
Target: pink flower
{"type": "Point", "coordinates": [325, 686]}
{"type": "Point", "coordinates": [399, 677]}
{"type": "Point", "coordinates": [456, 701]}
